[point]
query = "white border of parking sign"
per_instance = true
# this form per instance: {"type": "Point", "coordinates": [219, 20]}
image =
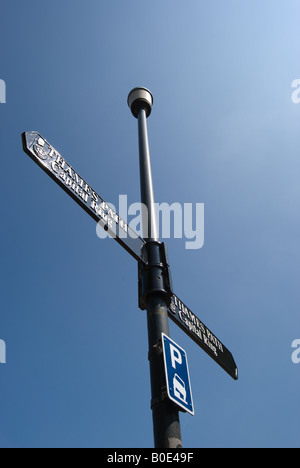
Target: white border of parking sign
{"type": "Point", "coordinates": [190, 407]}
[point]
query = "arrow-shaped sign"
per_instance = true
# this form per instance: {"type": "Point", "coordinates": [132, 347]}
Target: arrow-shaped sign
{"type": "Point", "coordinates": [74, 185]}
{"type": "Point", "coordinates": [195, 329]}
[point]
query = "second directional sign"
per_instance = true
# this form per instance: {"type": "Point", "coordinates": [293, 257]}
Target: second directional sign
{"type": "Point", "coordinates": [195, 329]}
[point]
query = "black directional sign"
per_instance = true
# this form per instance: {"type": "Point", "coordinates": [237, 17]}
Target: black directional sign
{"type": "Point", "coordinates": [195, 329]}
{"type": "Point", "coordinates": [74, 185]}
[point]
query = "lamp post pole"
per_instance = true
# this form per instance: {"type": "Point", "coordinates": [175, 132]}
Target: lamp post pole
{"type": "Point", "coordinates": [154, 285]}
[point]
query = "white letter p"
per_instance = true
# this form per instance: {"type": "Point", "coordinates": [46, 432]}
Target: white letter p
{"type": "Point", "coordinates": [175, 356]}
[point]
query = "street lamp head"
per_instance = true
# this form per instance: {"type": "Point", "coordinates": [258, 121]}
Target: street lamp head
{"type": "Point", "coordinates": [140, 98]}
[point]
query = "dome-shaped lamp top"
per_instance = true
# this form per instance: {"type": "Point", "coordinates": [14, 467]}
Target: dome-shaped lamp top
{"type": "Point", "coordinates": [140, 98]}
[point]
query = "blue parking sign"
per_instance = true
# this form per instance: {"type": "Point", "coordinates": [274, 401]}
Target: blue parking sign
{"type": "Point", "coordinates": [177, 375]}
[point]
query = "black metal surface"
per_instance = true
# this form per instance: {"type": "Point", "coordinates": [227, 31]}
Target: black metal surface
{"type": "Point", "coordinates": [165, 414]}
{"type": "Point", "coordinates": [195, 329]}
{"type": "Point", "coordinates": [150, 226]}
{"type": "Point", "coordinates": [43, 154]}
{"type": "Point", "coordinates": [154, 273]}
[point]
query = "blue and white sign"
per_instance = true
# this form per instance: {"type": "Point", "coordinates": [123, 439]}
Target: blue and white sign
{"type": "Point", "coordinates": [177, 375]}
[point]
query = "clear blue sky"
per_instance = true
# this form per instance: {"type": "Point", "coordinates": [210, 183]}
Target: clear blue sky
{"type": "Point", "coordinates": [224, 132]}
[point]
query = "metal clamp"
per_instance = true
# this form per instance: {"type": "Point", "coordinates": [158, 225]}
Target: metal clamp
{"type": "Point", "coordinates": [154, 274]}
{"type": "Point", "coordinates": [156, 351]}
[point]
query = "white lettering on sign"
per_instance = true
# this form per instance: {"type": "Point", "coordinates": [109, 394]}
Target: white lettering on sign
{"type": "Point", "coordinates": [175, 356]}
{"type": "Point", "coordinates": [72, 180]}
{"type": "Point", "coordinates": [196, 326]}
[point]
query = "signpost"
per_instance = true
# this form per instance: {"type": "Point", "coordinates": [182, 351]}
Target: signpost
{"type": "Point", "coordinates": [170, 382]}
